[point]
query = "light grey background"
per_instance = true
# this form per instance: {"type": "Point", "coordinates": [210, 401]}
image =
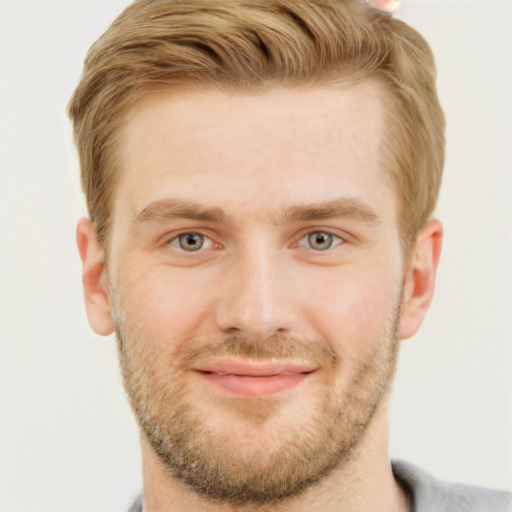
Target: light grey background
{"type": "Point", "coordinates": [67, 439]}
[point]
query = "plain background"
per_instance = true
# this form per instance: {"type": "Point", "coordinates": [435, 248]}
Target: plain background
{"type": "Point", "coordinates": [67, 439]}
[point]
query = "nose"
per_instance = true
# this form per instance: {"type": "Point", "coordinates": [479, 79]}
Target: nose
{"type": "Point", "coordinates": [257, 297]}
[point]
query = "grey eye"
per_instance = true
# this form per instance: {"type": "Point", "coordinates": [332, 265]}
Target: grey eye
{"type": "Point", "coordinates": [320, 241]}
{"type": "Point", "coordinates": [190, 242]}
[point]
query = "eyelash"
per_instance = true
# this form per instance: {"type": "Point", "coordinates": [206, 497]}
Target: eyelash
{"type": "Point", "coordinates": [334, 241]}
{"type": "Point", "coordinates": [175, 241]}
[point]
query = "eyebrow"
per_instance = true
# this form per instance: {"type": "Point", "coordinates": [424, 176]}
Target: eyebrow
{"type": "Point", "coordinates": [168, 209]}
{"type": "Point", "coordinates": [342, 207]}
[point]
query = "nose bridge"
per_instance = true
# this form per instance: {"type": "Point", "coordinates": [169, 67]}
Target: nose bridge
{"type": "Point", "coordinates": [257, 301]}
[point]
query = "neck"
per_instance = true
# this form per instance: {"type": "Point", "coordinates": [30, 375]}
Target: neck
{"type": "Point", "coordinates": [365, 482]}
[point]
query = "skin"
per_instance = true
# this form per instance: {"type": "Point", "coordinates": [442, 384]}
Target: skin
{"type": "Point", "coordinates": [262, 159]}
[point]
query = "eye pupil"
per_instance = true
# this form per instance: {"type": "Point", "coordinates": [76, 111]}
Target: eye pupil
{"type": "Point", "coordinates": [320, 241]}
{"type": "Point", "coordinates": [191, 241]}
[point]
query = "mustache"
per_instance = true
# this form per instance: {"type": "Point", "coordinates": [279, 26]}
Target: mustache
{"type": "Point", "coordinates": [276, 347]}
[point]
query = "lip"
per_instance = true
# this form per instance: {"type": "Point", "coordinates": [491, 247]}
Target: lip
{"type": "Point", "coordinates": [254, 378]}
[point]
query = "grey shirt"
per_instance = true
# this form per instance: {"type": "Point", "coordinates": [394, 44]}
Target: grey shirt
{"type": "Point", "coordinates": [428, 494]}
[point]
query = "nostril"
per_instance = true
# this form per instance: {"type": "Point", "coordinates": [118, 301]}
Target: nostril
{"type": "Point", "coordinates": [255, 311]}
{"type": "Point", "coordinates": [231, 330]}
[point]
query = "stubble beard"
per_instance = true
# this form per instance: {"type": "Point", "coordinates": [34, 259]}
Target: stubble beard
{"type": "Point", "coordinates": [218, 464]}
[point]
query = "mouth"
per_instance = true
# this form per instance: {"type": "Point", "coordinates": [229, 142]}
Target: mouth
{"type": "Point", "coordinates": [254, 378]}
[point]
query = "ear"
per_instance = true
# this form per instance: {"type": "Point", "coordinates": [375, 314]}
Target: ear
{"type": "Point", "coordinates": [94, 279]}
{"type": "Point", "coordinates": [420, 278]}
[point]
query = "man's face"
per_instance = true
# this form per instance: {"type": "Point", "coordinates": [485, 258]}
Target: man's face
{"type": "Point", "coordinates": [255, 275]}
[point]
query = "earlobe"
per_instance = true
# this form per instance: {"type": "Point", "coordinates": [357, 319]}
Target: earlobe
{"type": "Point", "coordinates": [420, 278]}
{"type": "Point", "coordinates": [94, 279]}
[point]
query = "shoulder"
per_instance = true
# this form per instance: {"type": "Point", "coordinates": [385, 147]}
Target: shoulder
{"type": "Point", "coordinates": [136, 505]}
{"type": "Point", "coordinates": [430, 494]}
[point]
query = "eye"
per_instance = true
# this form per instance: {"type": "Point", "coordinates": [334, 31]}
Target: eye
{"type": "Point", "coordinates": [320, 241]}
{"type": "Point", "coordinates": [191, 242]}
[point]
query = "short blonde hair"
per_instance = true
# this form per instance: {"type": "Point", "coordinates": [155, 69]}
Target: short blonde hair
{"type": "Point", "coordinates": [255, 44]}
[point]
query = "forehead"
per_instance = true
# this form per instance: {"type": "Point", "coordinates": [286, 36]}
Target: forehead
{"type": "Point", "coordinates": [253, 152]}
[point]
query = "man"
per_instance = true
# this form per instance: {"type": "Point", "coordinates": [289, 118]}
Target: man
{"type": "Point", "coordinates": [261, 177]}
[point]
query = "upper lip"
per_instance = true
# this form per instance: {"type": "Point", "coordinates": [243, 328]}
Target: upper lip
{"type": "Point", "coordinates": [254, 368]}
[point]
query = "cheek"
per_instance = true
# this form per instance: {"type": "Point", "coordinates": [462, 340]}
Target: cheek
{"type": "Point", "coordinates": [164, 306]}
{"type": "Point", "coordinates": [354, 309]}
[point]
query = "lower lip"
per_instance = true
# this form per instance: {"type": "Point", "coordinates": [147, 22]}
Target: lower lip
{"type": "Point", "coordinates": [255, 386]}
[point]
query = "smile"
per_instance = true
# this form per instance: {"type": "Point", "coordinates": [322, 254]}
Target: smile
{"type": "Point", "coordinates": [251, 378]}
